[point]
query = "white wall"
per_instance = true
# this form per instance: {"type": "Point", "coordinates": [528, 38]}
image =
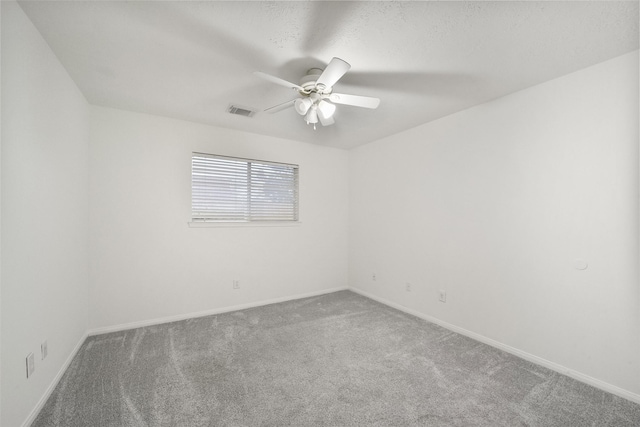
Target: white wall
{"type": "Point", "coordinates": [44, 214]}
{"type": "Point", "coordinates": [495, 204]}
{"type": "Point", "coordinates": [148, 264]}
{"type": "Point", "coordinates": [0, 219]}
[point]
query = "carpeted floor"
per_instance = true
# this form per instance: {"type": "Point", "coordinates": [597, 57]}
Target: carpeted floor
{"type": "Point", "coordinates": [334, 360]}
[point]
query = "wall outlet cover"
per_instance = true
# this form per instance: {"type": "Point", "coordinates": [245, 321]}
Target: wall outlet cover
{"type": "Point", "coordinates": [443, 295]}
{"type": "Point", "coordinates": [31, 364]}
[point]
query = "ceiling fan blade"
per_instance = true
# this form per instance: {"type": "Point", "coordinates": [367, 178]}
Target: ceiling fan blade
{"type": "Point", "coordinates": [355, 100]}
{"type": "Point", "coordinates": [280, 107]}
{"type": "Point", "coordinates": [277, 80]}
{"type": "Point", "coordinates": [334, 71]}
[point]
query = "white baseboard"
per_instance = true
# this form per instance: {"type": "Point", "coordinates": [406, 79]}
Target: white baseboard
{"type": "Point", "coordinates": [610, 388]}
{"type": "Point", "coordinates": [168, 319]}
{"type": "Point", "coordinates": [36, 410]}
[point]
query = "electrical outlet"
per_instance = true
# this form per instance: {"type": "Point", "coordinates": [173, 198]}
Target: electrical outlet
{"type": "Point", "coordinates": [443, 295]}
{"type": "Point", "coordinates": [407, 287]}
{"type": "Point", "coordinates": [373, 277]}
{"type": "Point", "coordinates": [44, 350]}
{"type": "Point", "coordinates": [236, 284]}
{"type": "Point", "coordinates": [31, 364]}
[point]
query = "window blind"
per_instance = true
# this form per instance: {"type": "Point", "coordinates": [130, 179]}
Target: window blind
{"type": "Point", "coordinates": [229, 189]}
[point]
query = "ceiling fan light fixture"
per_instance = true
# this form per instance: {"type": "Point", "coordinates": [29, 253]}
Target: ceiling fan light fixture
{"type": "Point", "coordinates": [326, 109]}
{"type": "Point", "coordinates": [302, 105]}
{"type": "Point", "coordinates": [317, 104]}
{"type": "Point", "coordinates": [312, 115]}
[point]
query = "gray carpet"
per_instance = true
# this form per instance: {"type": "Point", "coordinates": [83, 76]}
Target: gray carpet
{"type": "Point", "coordinates": [333, 360]}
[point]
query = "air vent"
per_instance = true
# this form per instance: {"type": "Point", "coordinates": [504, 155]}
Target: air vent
{"type": "Point", "coordinates": [240, 111]}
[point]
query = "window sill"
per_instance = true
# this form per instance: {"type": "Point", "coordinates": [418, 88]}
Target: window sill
{"type": "Point", "coordinates": [211, 224]}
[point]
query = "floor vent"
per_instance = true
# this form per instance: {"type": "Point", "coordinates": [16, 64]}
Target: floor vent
{"type": "Point", "coordinates": [240, 111]}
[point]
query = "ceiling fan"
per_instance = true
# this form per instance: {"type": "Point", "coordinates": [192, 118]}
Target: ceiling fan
{"type": "Point", "coordinates": [317, 100]}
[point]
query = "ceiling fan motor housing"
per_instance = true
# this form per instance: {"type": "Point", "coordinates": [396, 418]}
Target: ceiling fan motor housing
{"type": "Point", "coordinates": [308, 82]}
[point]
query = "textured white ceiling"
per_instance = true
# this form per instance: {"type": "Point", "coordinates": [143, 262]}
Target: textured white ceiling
{"type": "Point", "coordinates": [424, 60]}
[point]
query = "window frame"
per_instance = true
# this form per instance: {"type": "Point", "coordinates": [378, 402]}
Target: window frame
{"type": "Point", "coordinates": [198, 219]}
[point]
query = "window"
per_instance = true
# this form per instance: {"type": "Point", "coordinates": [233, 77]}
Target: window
{"type": "Point", "coordinates": [228, 189]}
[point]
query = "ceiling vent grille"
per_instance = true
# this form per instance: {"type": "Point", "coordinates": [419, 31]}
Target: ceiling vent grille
{"type": "Point", "coordinates": [240, 111]}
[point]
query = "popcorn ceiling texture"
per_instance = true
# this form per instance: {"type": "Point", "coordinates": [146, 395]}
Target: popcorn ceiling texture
{"type": "Point", "coordinates": [335, 360]}
{"type": "Point", "coordinates": [424, 59]}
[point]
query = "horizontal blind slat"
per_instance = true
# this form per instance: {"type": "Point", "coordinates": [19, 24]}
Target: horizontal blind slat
{"type": "Point", "coordinates": [242, 190]}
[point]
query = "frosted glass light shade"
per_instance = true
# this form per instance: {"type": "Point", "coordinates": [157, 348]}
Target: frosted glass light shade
{"type": "Point", "coordinates": [312, 116]}
{"type": "Point", "coordinates": [302, 105]}
{"type": "Point", "coordinates": [326, 109]}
